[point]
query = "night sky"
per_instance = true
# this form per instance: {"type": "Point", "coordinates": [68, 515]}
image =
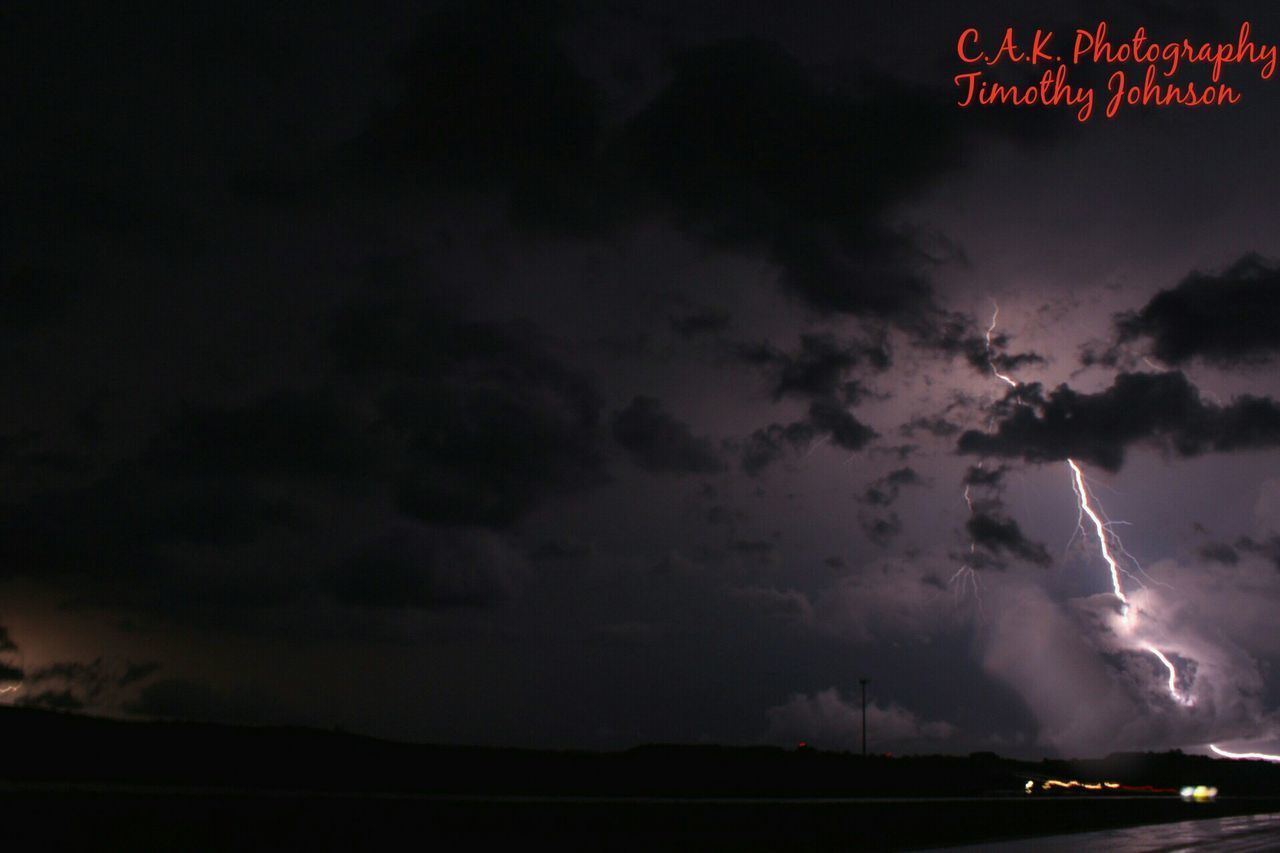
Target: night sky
{"type": "Point", "coordinates": [595, 374]}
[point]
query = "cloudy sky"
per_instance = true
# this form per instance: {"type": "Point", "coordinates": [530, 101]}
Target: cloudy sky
{"type": "Point", "coordinates": [593, 374]}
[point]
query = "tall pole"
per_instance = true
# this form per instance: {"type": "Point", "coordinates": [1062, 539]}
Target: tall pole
{"type": "Point", "coordinates": [863, 682]}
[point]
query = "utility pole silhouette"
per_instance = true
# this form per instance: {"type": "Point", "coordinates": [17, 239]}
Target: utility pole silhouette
{"type": "Point", "coordinates": [863, 682]}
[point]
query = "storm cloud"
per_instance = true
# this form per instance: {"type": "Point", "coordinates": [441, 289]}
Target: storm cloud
{"type": "Point", "coordinates": [658, 442]}
{"type": "Point", "coordinates": [1226, 319]}
{"type": "Point", "coordinates": [1163, 409]}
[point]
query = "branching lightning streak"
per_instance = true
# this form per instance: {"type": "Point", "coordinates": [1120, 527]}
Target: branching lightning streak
{"type": "Point", "coordinates": [1082, 494]}
{"type": "Point", "coordinates": [1107, 538]}
{"type": "Point", "coordinates": [994, 317]}
{"type": "Point", "coordinates": [10, 688]}
{"type": "Point", "coordinates": [966, 573]}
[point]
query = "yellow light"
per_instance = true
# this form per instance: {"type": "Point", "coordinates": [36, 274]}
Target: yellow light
{"type": "Point", "coordinates": [1076, 783]}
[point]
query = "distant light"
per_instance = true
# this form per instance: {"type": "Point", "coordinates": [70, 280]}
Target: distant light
{"type": "Point", "coordinates": [1031, 785]}
{"type": "Point", "coordinates": [1075, 783]}
{"type": "Point", "coordinates": [1198, 793]}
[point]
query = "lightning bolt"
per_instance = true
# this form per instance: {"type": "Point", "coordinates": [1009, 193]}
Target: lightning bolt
{"type": "Point", "coordinates": [1250, 756]}
{"type": "Point", "coordinates": [995, 316]}
{"type": "Point", "coordinates": [1107, 538]}
{"type": "Point", "coordinates": [1082, 495]}
{"type": "Point", "coordinates": [966, 577]}
{"type": "Point", "coordinates": [1173, 677]}
{"type": "Point", "coordinates": [10, 688]}
{"type": "Point", "coordinates": [966, 573]}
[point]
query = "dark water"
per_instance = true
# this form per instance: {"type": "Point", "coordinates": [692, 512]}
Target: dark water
{"type": "Point", "coordinates": [1238, 834]}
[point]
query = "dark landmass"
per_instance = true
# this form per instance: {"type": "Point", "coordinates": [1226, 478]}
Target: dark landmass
{"type": "Point", "coordinates": [117, 784]}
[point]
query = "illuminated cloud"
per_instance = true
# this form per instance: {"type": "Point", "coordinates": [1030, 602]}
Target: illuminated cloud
{"type": "Point", "coordinates": [830, 721]}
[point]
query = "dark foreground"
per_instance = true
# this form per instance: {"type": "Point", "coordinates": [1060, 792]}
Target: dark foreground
{"type": "Point", "coordinates": [207, 821]}
{"type": "Point", "coordinates": [73, 782]}
{"type": "Point", "coordinates": [1222, 835]}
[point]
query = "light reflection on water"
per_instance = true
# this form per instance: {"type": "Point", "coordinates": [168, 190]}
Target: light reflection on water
{"type": "Point", "coordinates": [1238, 834]}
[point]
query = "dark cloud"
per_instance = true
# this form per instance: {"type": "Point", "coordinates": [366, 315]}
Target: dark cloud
{"type": "Point", "coordinates": [491, 103]}
{"type": "Point", "coordinates": [881, 529]}
{"type": "Point", "coordinates": [937, 426]}
{"type": "Point", "coordinates": [749, 150]}
{"type": "Point", "coordinates": [1268, 548]}
{"type": "Point", "coordinates": [884, 491]}
{"type": "Point", "coordinates": [54, 700]}
{"type": "Point", "coordinates": [957, 335]}
{"type": "Point", "coordinates": [412, 565]}
{"type": "Point", "coordinates": [460, 423]}
{"type": "Point", "coordinates": [1162, 408]}
{"type": "Point", "coordinates": [1219, 552]}
{"type": "Point", "coordinates": [560, 549]}
{"type": "Point", "coordinates": [905, 476]}
{"type": "Point", "coordinates": [876, 496]}
{"type": "Point", "coordinates": [123, 522]}
{"type": "Point", "coordinates": [70, 671]}
{"type": "Point", "coordinates": [740, 144]}
{"type": "Point", "coordinates": [977, 475]}
{"type": "Point", "coordinates": [276, 187]}
{"type": "Point", "coordinates": [757, 547]}
{"type": "Point", "coordinates": [91, 682]}
{"type": "Point", "coordinates": [658, 442]}
{"type": "Point", "coordinates": [784, 604]}
{"type": "Point", "coordinates": [830, 417]}
{"type": "Point", "coordinates": [10, 673]}
{"type": "Point", "coordinates": [1011, 362]}
{"type": "Point", "coordinates": [185, 699]}
{"type": "Point", "coordinates": [1095, 354]}
{"type": "Point", "coordinates": [1225, 319]}
{"type": "Point", "coordinates": [33, 297]}
{"type": "Point", "coordinates": [819, 368]}
{"type": "Point", "coordinates": [701, 322]}
{"type": "Point", "coordinates": [719, 515]}
{"type": "Point", "coordinates": [217, 423]}
{"type": "Point", "coordinates": [744, 146]}
{"type": "Point", "coordinates": [305, 435]}
{"type": "Point", "coordinates": [6, 642]}
{"type": "Point", "coordinates": [487, 420]}
{"type": "Point", "coordinates": [76, 685]}
{"type": "Point", "coordinates": [135, 672]}
{"type": "Point", "coordinates": [769, 444]}
{"type": "Point", "coordinates": [826, 417]}
{"type": "Point", "coordinates": [1001, 535]}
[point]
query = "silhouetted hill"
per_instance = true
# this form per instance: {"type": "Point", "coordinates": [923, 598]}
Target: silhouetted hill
{"type": "Point", "coordinates": [51, 747]}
